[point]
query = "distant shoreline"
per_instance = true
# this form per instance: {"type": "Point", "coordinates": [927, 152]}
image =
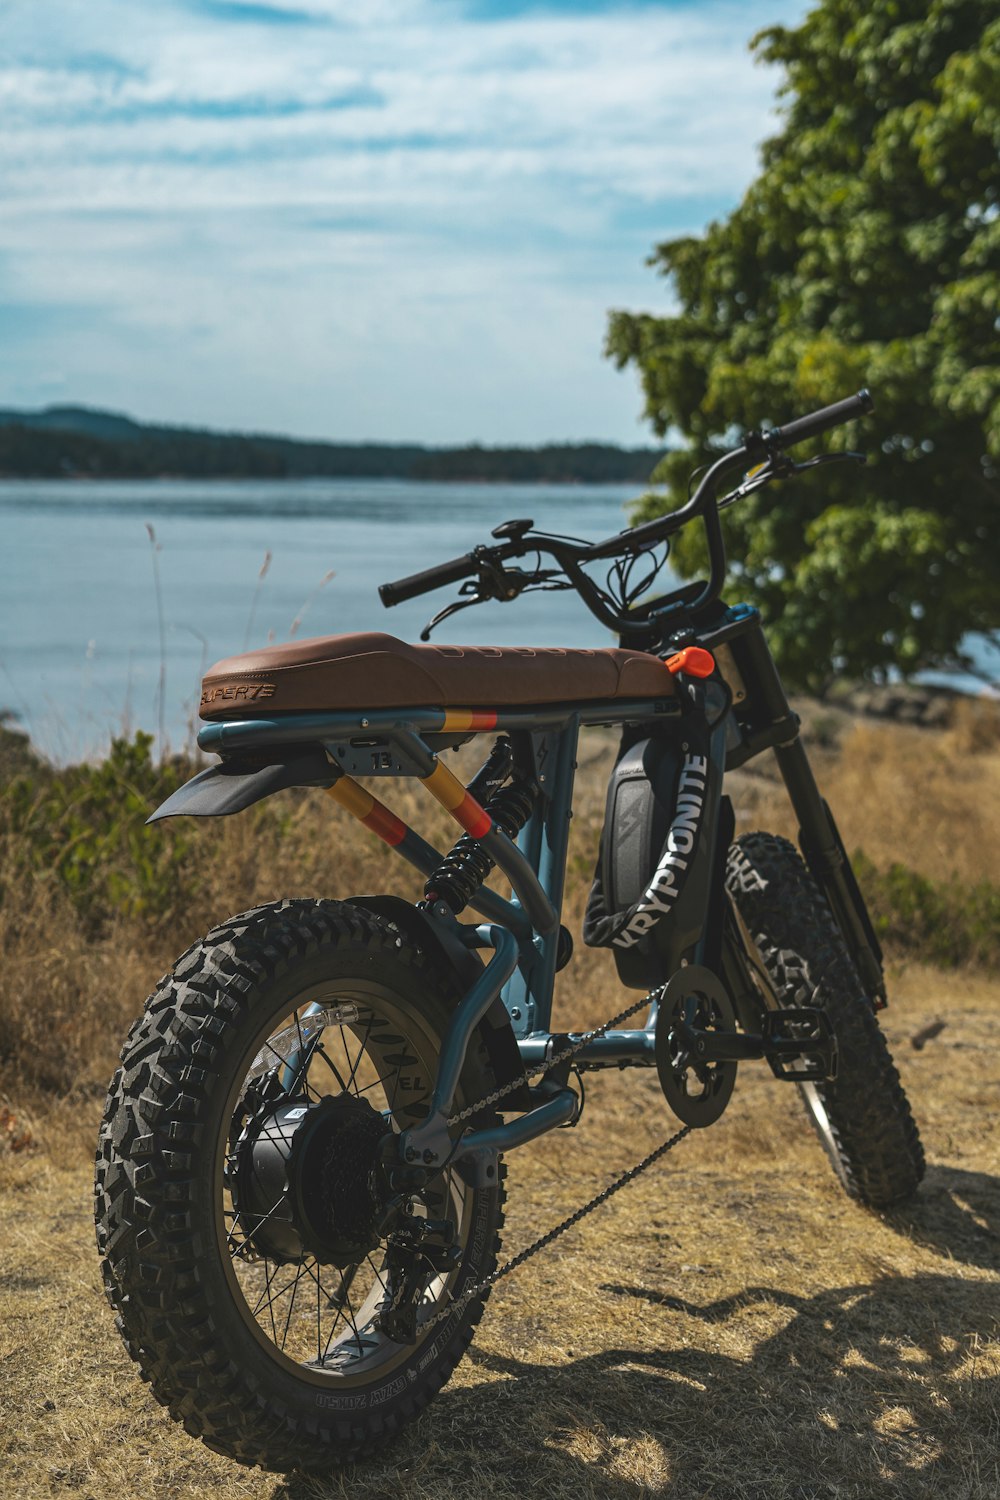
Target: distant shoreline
{"type": "Point", "coordinates": [84, 444]}
{"type": "Point", "coordinates": [69, 479]}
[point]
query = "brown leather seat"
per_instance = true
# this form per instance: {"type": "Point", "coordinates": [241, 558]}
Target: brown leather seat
{"type": "Point", "coordinates": [372, 670]}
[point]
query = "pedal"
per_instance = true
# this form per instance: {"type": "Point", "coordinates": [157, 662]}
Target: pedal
{"type": "Point", "coordinates": [804, 1036]}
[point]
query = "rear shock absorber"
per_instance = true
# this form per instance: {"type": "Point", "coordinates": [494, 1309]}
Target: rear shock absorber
{"type": "Point", "coordinates": [464, 868]}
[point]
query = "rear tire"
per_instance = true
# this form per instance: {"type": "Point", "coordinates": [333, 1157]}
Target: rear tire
{"type": "Point", "coordinates": [863, 1119]}
{"type": "Point", "coordinates": [248, 1345]}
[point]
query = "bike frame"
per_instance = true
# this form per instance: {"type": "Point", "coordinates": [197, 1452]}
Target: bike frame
{"type": "Point", "coordinates": [524, 931]}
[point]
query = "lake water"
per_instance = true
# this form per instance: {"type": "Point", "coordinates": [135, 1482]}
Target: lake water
{"type": "Point", "coordinates": [80, 648]}
{"type": "Point", "coordinates": [80, 645]}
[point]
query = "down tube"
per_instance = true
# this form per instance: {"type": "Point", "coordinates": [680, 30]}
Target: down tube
{"type": "Point", "coordinates": [544, 839]}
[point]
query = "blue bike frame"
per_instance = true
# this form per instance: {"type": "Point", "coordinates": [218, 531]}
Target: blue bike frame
{"type": "Point", "coordinates": [523, 931]}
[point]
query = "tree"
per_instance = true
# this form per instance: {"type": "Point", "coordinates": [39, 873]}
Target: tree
{"type": "Point", "coordinates": [867, 252]}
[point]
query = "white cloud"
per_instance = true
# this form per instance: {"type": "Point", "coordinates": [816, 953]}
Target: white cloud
{"type": "Point", "coordinates": [421, 215]}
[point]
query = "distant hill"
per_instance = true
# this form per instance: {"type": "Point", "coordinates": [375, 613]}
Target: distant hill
{"type": "Point", "coordinates": [79, 442]}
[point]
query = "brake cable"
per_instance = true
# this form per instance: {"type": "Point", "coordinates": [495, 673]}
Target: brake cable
{"type": "Point", "coordinates": [780, 466]}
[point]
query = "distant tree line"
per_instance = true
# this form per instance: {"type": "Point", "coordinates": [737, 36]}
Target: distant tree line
{"type": "Point", "coordinates": [36, 452]}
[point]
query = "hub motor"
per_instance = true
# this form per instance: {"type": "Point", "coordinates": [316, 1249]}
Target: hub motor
{"type": "Point", "coordinates": [307, 1180]}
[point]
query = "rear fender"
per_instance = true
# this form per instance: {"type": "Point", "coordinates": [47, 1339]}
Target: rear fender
{"type": "Point", "coordinates": [444, 945]}
{"type": "Point", "coordinates": [239, 782]}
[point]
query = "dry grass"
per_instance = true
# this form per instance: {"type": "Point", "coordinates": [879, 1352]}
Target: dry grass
{"type": "Point", "coordinates": [930, 800]}
{"type": "Point", "coordinates": [730, 1327]}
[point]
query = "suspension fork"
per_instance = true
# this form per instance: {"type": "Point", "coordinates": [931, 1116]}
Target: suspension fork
{"type": "Point", "coordinates": [820, 842]}
{"type": "Point", "coordinates": [819, 838]}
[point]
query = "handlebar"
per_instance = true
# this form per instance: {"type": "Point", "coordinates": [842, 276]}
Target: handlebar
{"type": "Point", "coordinates": [431, 578]}
{"type": "Point", "coordinates": [821, 421]}
{"type": "Point", "coordinates": [757, 446]}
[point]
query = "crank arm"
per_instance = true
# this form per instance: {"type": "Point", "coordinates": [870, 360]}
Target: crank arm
{"type": "Point", "coordinates": [773, 1043]}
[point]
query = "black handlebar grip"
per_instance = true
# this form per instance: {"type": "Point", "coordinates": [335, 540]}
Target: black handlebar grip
{"type": "Point", "coordinates": [431, 578]}
{"type": "Point", "coordinates": [822, 420]}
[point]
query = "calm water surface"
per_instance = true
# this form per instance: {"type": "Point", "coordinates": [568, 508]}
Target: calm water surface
{"type": "Point", "coordinates": [80, 645]}
{"type": "Point", "coordinates": [79, 630]}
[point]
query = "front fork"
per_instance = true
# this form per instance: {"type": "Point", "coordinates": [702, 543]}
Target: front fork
{"type": "Point", "coordinates": [823, 848]}
{"type": "Point", "coordinates": [777, 728]}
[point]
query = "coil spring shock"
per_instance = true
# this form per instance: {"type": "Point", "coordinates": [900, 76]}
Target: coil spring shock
{"type": "Point", "coordinates": [464, 868]}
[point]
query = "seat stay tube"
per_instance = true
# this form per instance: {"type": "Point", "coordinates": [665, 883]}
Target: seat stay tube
{"type": "Point", "coordinates": [469, 1014]}
{"type": "Point", "coordinates": [544, 842]}
{"type": "Point", "coordinates": [429, 1144]}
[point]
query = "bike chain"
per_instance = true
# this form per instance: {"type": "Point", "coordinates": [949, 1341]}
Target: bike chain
{"type": "Point", "coordinates": [516, 1261]}
{"type": "Point", "coordinates": [560, 1057]}
{"type": "Point", "coordinates": [542, 1243]}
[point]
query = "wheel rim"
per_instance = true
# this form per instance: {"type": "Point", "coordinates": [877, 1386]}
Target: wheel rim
{"type": "Point", "coordinates": [316, 1319]}
{"type": "Point", "coordinates": [820, 1117]}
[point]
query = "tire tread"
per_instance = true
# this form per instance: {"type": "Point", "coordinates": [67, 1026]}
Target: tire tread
{"type": "Point", "coordinates": [151, 1138]}
{"type": "Point", "coordinates": [879, 1157]}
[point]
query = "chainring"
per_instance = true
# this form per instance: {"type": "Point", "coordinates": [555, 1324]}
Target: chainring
{"type": "Point", "coordinates": [696, 1090]}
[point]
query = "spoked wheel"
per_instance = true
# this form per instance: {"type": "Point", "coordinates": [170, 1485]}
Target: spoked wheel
{"type": "Point", "coordinates": [276, 1279]}
{"type": "Point", "coordinates": [862, 1118]}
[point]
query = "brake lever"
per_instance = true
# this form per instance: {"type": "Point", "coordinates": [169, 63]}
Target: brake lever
{"type": "Point", "coordinates": [494, 582]}
{"type": "Point", "coordinates": [850, 456]}
{"type": "Point", "coordinates": [755, 480]}
{"type": "Point", "coordinates": [450, 609]}
{"type": "Point", "coordinates": [780, 466]}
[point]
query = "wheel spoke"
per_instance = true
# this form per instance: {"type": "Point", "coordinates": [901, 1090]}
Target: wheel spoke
{"type": "Point", "coordinates": [291, 1307]}
{"type": "Point", "coordinates": [333, 1329]}
{"type": "Point", "coordinates": [266, 1297]}
{"type": "Point", "coordinates": [361, 1051]}
{"type": "Point", "coordinates": [258, 1223]}
{"type": "Point", "coordinates": [269, 1277]}
{"type": "Point", "coordinates": [352, 1319]}
{"type": "Point", "coordinates": [300, 1078]}
{"type": "Point", "coordinates": [395, 1087]}
{"type": "Point", "coordinates": [322, 1052]}
{"type": "Point", "coordinates": [369, 1086]}
{"type": "Point", "coordinates": [378, 1273]}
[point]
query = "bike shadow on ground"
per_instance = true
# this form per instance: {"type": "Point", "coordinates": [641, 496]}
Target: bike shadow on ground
{"type": "Point", "coordinates": [956, 1213]}
{"type": "Point", "coordinates": [881, 1390]}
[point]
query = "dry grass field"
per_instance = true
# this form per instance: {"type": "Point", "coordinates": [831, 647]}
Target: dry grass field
{"type": "Point", "coordinates": [731, 1327]}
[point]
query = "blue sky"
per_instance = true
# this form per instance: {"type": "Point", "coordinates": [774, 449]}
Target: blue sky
{"type": "Point", "coordinates": [393, 220]}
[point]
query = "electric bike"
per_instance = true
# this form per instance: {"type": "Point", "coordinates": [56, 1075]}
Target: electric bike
{"type": "Point", "coordinates": [300, 1179]}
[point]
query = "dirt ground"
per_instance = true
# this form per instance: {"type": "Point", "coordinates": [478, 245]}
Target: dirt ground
{"type": "Point", "coordinates": [731, 1327]}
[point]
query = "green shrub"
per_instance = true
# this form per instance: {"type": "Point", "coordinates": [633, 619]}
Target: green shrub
{"type": "Point", "coordinates": [83, 828]}
{"type": "Point", "coordinates": [944, 922]}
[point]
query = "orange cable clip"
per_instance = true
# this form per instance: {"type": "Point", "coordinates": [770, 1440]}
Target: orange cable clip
{"type": "Point", "coordinates": [694, 660]}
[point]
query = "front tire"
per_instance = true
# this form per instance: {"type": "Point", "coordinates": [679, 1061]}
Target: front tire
{"type": "Point", "coordinates": [863, 1119]}
{"type": "Point", "coordinates": [261, 1330]}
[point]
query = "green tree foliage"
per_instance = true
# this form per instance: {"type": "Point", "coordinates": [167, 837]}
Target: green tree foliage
{"type": "Point", "coordinates": [867, 252]}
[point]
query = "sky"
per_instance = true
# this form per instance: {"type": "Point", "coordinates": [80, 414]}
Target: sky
{"type": "Point", "coordinates": [386, 220]}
